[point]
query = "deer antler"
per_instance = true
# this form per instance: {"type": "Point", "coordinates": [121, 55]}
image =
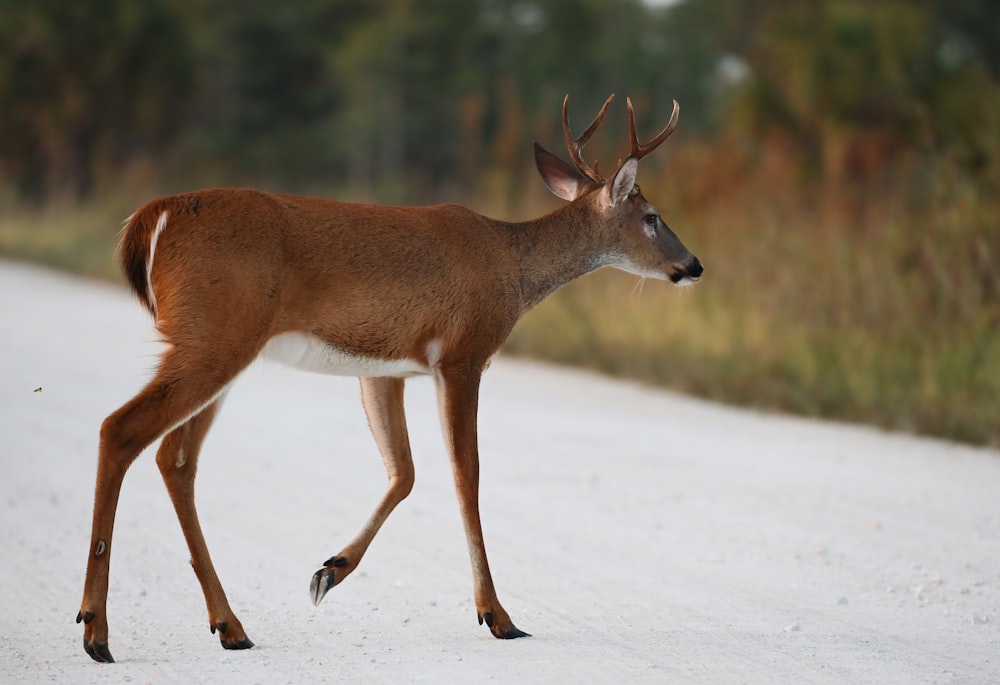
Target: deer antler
{"type": "Point", "coordinates": [639, 150]}
{"type": "Point", "coordinates": [575, 145]}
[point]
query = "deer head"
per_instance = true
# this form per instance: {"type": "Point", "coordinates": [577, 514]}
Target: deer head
{"type": "Point", "coordinates": [638, 240]}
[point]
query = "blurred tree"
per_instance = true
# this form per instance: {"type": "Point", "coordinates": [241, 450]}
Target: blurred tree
{"type": "Point", "coordinates": [437, 94]}
{"type": "Point", "coordinates": [103, 79]}
{"type": "Point", "coordinates": [968, 31]}
{"type": "Point", "coordinates": [265, 91]}
{"type": "Point", "coordinates": [856, 84]}
{"type": "Point", "coordinates": [413, 73]}
{"type": "Point", "coordinates": [403, 69]}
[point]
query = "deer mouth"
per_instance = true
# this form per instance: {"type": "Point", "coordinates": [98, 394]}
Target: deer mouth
{"type": "Point", "coordinates": [688, 273]}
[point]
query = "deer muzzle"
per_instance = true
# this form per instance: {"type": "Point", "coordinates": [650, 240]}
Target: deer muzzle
{"type": "Point", "coordinates": [688, 272]}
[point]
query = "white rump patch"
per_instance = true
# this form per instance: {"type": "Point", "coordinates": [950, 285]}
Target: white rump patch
{"type": "Point", "coordinates": [161, 224]}
{"type": "Point", "coordinates": [312, 354]}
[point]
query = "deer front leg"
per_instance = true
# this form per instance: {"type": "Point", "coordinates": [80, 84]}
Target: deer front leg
{"type": "Point", "coordinates": [383, 402]}
{"type": "Point", "coordinates": [458, 401]}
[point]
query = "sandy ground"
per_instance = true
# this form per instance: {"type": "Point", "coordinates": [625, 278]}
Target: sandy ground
{"type": "Point", "coordinates": [639, 535]}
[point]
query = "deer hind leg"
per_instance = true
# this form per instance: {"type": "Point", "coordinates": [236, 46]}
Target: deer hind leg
{"type": "Point", "coordinates": [458, 399]}
{"type": "Point", "coordinates": [383, 402]}
{"type": "Point", "coordinates": [177, 460]}
{"type": "Point", "coordinates": [181, 388]}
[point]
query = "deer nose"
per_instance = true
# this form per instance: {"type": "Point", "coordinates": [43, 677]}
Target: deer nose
{"type": "Point", "coordinates": [694, 268]}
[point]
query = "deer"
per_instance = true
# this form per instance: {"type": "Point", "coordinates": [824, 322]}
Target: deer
{"type": "Point", "coordinates": [382, 293]}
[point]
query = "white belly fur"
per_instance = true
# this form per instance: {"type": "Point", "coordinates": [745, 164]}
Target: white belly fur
{"type": "Point", "coordinates": [311, 354]}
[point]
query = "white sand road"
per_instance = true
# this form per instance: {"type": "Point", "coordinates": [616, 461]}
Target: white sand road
{"type": "Point", "coordinates": [640, 536]}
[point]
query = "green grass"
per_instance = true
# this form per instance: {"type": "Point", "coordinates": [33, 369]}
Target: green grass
{"type": "Point", "coordinates": [72, 238]}
{"type": "Point", "coordinates": [885, 312]}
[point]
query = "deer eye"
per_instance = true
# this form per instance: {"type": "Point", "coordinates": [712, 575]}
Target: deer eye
{"type": "Point", "coordinates": [651, 220]}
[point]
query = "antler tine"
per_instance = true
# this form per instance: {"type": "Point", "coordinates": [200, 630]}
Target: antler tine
{"type": "Point", "coordinates": [639, 151]}
{"type": "Point", "coordinates": [575, 145]}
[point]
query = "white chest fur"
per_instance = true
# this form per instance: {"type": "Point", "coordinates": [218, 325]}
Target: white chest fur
{"type": "Point", "coordinates": [311, 354]}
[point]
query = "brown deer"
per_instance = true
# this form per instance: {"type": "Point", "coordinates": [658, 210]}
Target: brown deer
{"type": "Point", "coordinates": [377, 292]}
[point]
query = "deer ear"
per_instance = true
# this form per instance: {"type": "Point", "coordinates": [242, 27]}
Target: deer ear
{"type": "Point", "coordinates": [562, 179]}
{"type": "Point", "coordinates": [623, 183]}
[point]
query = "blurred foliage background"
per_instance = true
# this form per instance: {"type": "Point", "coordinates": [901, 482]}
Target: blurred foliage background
{"type": "Point", "coordinates": [836, 167]}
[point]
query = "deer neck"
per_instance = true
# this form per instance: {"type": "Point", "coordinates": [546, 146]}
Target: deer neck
{"type": "Point", "coordinates": [555, 249]}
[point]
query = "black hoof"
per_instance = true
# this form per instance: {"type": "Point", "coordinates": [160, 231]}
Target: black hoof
{"type": "Point", "coordinates": [509, 634]}
{"type": "Point", "coordinates": [245, 643]}
{"type": "Point", "coordinates": [325, 578]}
{"type": "Point", "coordinates": [99, 652]}
{"type": "Point", "coordinates": [322, 581]}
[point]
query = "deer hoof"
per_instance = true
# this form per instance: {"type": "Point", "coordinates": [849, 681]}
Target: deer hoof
{"type": "Point", "coordinates": [98, 651]}
{"type": "Point", "coordinates": [322, 581]}
{"type": "Point", "coordinates": [510, 633]}
{"type": "Point", "coordinates": [326, 578]}
{"type": "Point", "coordinates": [503, 633]}
{"type": "Point", "coordinates": [245, 643]}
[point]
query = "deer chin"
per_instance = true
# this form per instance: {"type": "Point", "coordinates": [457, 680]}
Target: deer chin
{"type": "Point", "coordinates": [682, 280]}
